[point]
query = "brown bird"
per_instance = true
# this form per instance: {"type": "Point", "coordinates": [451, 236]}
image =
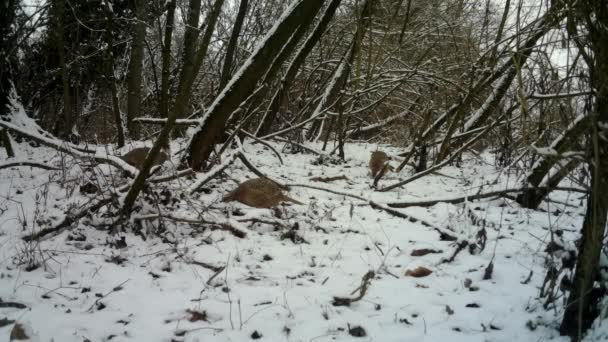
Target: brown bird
{"type": "Point", "coordinates": [136, 157]}
{"type": "Point", "coordinates": [379, 163]}
{"type": "Point", "coordinates": [259, 193]}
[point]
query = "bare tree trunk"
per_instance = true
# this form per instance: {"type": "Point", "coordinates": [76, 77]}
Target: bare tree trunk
{"type": "Point", "coordinates": [405, 21]}
{"type": "Point", "coordinates": [64, 126]}
{"type": "Point", "coordinates": [189, 70]}
{"type": "Point", "coordinates": [241, 86]}
{"type": "Point", "coordinates": [180, 107]}
{"type": "Point", "coordinates": [253, 102]}
{"type": "Point", "coordinates": [567, 141]}
{"type": "Point", "coordinates": [5, 141]}
{"type": "Point", "coordinates": [232, 44]}
{"type": "Point", "coordinates": [7, 17]}
{"type": "Point", "coordinates": [111, 79]}
{"type": "Point", "coordinates": [166, 60]}
{"type": "Point", "coordinates": [280, 96]}
{"type": "Point", "coordinates": [134, 75]}
{"type": "Point", "coordinates": [343, 69]}
{"type": "Point", "coordinates": [583, 302]}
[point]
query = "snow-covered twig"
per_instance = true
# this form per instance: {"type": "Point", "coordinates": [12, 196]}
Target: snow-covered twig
{"type": "Point", "coordinates": [472, 197]}
{"type": "Point", "coordinates": [65, 148]}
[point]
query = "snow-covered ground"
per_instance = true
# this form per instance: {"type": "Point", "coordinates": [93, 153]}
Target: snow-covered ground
{"type": "Point", "coordinates": [272, 288]}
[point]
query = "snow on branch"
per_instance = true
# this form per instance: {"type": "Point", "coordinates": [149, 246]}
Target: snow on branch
{"type": "Point", "coordinates": [59, 145]}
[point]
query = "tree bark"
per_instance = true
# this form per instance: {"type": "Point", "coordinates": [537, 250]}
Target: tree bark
{"type": "Point", "coordinates": [242, 84]}
{"type": "Point", "coordinates": [189, 70]}
{"type": "Point", "coordinates": [180, 108]}
{"type": "Point", "coordinates": [342, 71]}
{"type": "Point", "coordinates": [232, 44]}
{"type": "Point", "coordinates": [63, 126]}
{"type": "Point", "coordinates": [111, 80]}
{"type": "Point", "coordinates": [166, 61]}
{"type": "Point", "coordinates": [280, 96]}
{"type": "Point", "coordinates": [134, 75]}
{"type": "Point", "coordinates": [532, 197]}
{"type": "Point", "coordinates": [7, 17]}
{"type": "Point", "coordinates": [5, 141]}
{"type": "Point", "coordinates": [583, 302]}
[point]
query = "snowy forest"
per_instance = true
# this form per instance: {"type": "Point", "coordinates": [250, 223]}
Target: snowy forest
{"type": "Point", "coordinates": [303, 170]}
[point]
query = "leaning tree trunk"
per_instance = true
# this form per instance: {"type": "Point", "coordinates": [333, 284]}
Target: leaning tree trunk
{"type": "Point", "coordinates": [583, 302]}
{"type": "Point", "coordinates": [338, 80]}
{"type": "Point", "coordinates": [180, 108]}
{"type": "Point", "coordinates": [232, 44]}
{"type": "Point", "coordinates": [567, 141]}
{"type": "Point", "coordinates": [243, 83]}
{"type": "Point", "coordinates": [491, 104]}
{"type": "Point", "coordinates": [134, 75]}
{"type": "Point", "coordinates": [254, 101]}
{"type": "Point", "coordinates": [280, 96]}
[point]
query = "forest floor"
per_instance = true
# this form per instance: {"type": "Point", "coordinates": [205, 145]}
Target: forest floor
{"type": "Point", "coordinates": [195, 284]}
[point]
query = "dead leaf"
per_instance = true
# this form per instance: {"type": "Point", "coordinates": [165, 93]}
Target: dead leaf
{"type": "Point", "coordinates": [18, 333]}
{"type": "Point", "coordinates": [467, 283]}
{"type": "Point", "coordinates": [449, 310]}
{"type": "Point", "coordinates": [419, 272]}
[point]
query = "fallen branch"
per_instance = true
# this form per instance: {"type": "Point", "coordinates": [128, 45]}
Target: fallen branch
{"type": "Point", "coordinates": [459, 248]}
{"type": "Point", "coordinates": [227, 226]}
{"type": "Point", "coordinates": [265, 143]}
{"type": "Point", "coordinates": [302, 146]}
{"type": "Point", "coordinates": [161, 122]}
{"type": "Point", "coordinates": [443, 234]}
{"type": "Point", "coordinates": [68, 221]}
{"type": "Point", "coordinates": [14, 305]}
{"type": "Point", "coordinates": [472, 197]}
{"type": "Point", "coordinates": [335, 192]}
{"type": "Point", "coordinates": [167, 178]}
{"type": "Point", "coordinates": [199, 263]}
{"type": "Point", "coordinates": [366, 281]}
{"type": "Point", "coordinates": [27, 163]}
{"type": "Point", "coordinates": [256, 171]}
{"type": "Point", "coordinates": [64, 147]}
{"type": "Point", "coordinates": [214, 172]}
{"type": "Point", "coordinates": [114, 289]}
{"type": "Point", "coordinates": [328, 179]}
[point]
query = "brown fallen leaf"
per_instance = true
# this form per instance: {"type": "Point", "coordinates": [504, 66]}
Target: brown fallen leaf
{"type": "Point", "coordinates": [467, 283]}
{"type": "Point", "coordinates": [419, 272]}
{"type": "Point", "coordinates": [424, 251]}
{"type": "Point", "coordinates": [18, 333]}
